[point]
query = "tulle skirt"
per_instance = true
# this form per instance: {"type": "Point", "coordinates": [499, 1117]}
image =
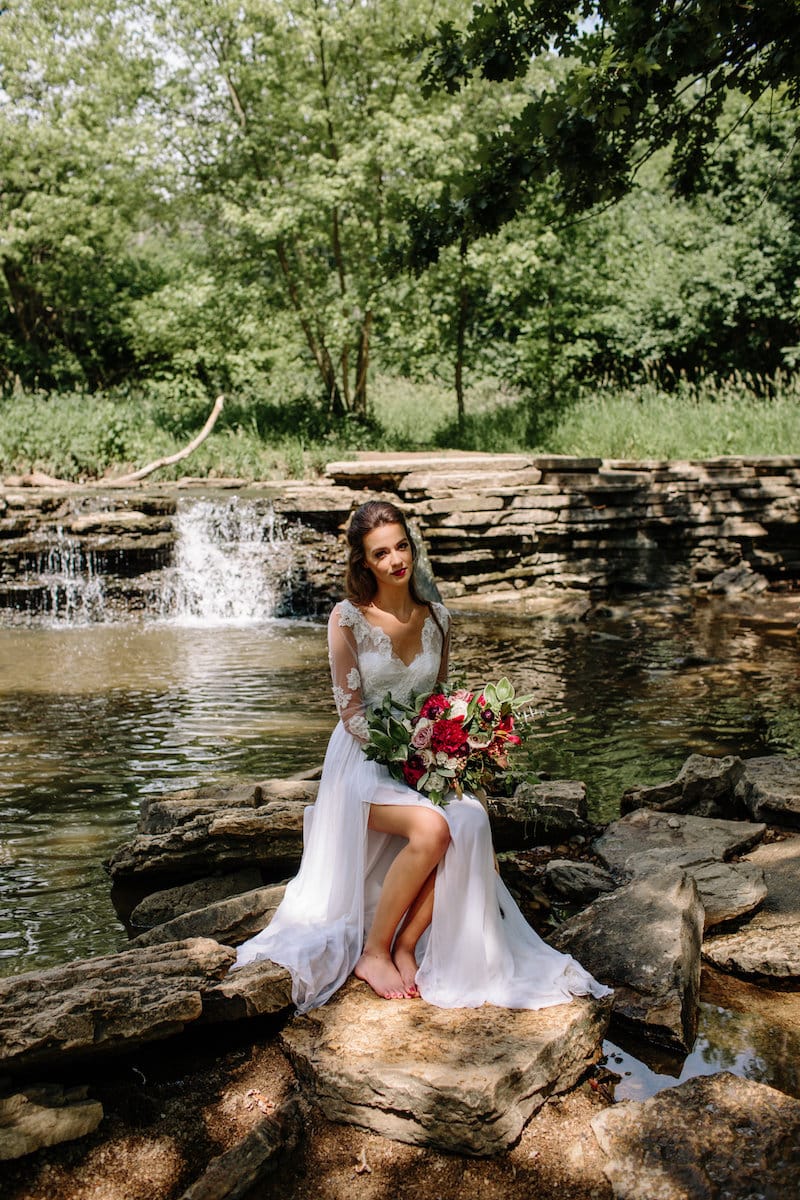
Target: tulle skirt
{"type": "Point", "coordinates": [479, 948]}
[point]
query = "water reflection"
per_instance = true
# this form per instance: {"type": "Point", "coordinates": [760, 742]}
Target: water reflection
{"type": "Point", "coordinates": [93, 718]}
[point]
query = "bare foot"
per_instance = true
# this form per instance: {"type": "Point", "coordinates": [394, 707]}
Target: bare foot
{"type": "Point", "coordinates": [382, 975]}
{"type": "Point", "coordinates": [406, 965]}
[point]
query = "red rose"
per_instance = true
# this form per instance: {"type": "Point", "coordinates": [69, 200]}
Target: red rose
{"type": "Point", "coordinates": [413, 770]}
{"type": "Point", "coordinates": [449, 736]}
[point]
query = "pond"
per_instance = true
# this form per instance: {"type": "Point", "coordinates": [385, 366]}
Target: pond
{"type": "Point", "coordinates": [94, 717]}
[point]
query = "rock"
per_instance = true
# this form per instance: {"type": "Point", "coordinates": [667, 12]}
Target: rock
{"type": "Point", "coordinates": [644, 941]}
{"type": "Point", "coordinates": [238, 1170]}
{"type": "Point", "coordinates": [523, 879]}
{"type": "Point", "coordinates": [158, 814]}
{"type": "Point", "coordinates": [715, 1137]}
{"type": "Point", "coordinates": [255, 990]}
{"type": "Point", "coordinates": [163, 906]}
{"type": "Point", "coordinates": [101, 1005]}
{"type": "Point", "coordinates": [704, 786]}
{"type": "Point", "coordinates": [539, 812]}
{"type": "Point", "coordinates": [768, 947]}
{"type": "Point", "coordinates": [462, 1080]}
{"type": "Point", "coordinates": [735, 580]}
{"type": "Point", "coordinates": [726, 890]}
{"type": "Point", "coordinates": [580, 882]}
{"type": "Point", "coordinates": [44, 1116]}
{"type": "Point", "coordinates": [702, 839]}
{"type": "Point", "coordinates": [770, 790]}
{"type": "Point", "coordinates": [229, 921]}
{"type": "Point", "coordinates": [270, 837]}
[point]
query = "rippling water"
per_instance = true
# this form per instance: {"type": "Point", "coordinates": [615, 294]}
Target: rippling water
{"type": "Point", "coordinates": [93, 718]}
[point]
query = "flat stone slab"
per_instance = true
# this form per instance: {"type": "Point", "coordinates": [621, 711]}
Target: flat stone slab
{"type": "Point", "coordinates": [254, 990]}
{"type": "Point", "coordinates": [726, 890]}
{"type": "Point", "coordinates": [160, 907]}
{"type": "Point", "coordinates": [101, 1005]}
{"type": "Point", "coordinates": [539, 812]}
{"type": "Point", "coordinates": [45, 1115]}
{"type": "Point", "coordinates": [702, 839]}
{"type": "Point", "coordinates": [229, 921]}
{"type": "Point", "coordinates": [462, 1080]}
{"type": "Point", "coordinates": [768, 947]}
{"type": "Point", "coordinates": [644, 941]}
{"type": "Point", "coordinates": [715, 1137]}
{"type": "Point", "coordinates": [771, 789]}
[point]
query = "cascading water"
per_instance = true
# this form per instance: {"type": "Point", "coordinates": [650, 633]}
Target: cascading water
{"type": "Point", "coordinates": [231, 564]}
{"type": "Point", "coordinates": [76, 592]}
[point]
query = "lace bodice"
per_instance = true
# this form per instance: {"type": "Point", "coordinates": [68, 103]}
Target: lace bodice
{"type": "Point", "coordinates": [364, 665]}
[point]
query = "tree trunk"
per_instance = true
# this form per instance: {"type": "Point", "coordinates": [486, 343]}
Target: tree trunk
{"type": "Point", "coordinates": [362, 366]}
{"type": "Point", "coordinates": [461, 328]}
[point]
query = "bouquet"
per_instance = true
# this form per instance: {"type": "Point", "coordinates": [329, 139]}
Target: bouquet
{"type": "Point", "coordinates": [446, 740]}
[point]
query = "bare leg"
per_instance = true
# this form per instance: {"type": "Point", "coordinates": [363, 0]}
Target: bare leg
{"type": "Point", "coordinates": [428, 838]}
{"type": "Point", "coordinates": [416, 921]}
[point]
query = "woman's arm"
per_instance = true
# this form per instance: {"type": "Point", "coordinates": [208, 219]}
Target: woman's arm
{"type": "Point", "coordinates": [346, 678]}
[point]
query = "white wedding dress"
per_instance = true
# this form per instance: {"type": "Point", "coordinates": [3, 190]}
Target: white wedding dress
{"type": "Point", "coordinates": [479, 949]}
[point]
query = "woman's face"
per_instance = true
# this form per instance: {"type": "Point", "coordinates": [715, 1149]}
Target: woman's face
{"type": "Point", "coordinates": [388, 555]}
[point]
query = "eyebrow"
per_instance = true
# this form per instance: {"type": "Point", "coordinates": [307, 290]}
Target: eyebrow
{"type": "Point", "coordinates": [400, 542]}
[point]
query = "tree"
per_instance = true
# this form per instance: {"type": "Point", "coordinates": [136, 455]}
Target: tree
{"type": "Point", "coordinates": [638, 77]}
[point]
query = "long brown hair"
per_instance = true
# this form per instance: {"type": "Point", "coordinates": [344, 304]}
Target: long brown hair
{"type": "Point", "coordinates": [360, 584]}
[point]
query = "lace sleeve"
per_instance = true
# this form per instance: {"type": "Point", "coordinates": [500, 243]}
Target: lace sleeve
{"type": "Point", "coordinates": [346, 678]}
{"type": "Point", "coordinates": [444, 622]}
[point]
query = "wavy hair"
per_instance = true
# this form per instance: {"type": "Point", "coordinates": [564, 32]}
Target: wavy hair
{"type": "Point", "coordinates": [360, 584]}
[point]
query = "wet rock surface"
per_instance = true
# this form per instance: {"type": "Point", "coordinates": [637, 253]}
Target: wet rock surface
{"type": "Point", "coordinates": [45, 1115]}
{"type": "Point", "coordinates": [100, 1005]}
{"type": "Point", "coordinates": [715, 1137]}
{"type": "Point", "coordinates": [644, 941]}
{"type": "Point", "coordinates": [462, 1080]}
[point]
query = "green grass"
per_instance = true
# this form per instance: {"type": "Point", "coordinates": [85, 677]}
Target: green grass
{"type": "Point", "coordinates": [79, 436]}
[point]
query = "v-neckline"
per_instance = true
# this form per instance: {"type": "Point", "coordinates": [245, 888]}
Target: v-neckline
{"type": "Point", "coordinates": [378, 629]}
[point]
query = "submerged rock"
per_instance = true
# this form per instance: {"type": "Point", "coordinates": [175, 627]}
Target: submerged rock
{"type": "Point", "coordinates": [704, 786]}
{"type": "Point", "coordinates": [462, 1080]}
{"type": "Point", "coordinates": [689, 838]}
{"type": "Point", "coordinates": [101, 1005]}
{"type": "Point", "coordinates": [44, 1116]}
{"type": "Point", "coordinates": [644, 941]}
{"type": "Point", "coordinates": [715, 1137]}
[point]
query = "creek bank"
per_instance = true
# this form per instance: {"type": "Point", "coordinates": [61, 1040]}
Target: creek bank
{"type": "Point", "coordinates": [643, 861]}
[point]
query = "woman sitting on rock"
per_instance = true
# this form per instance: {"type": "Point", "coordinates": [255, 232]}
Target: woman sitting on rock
{"type": "Point", "coordinates": [391, 887]}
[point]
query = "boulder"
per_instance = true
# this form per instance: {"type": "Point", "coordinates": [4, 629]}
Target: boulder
{"type": "Point", "coordinates": [770, 790]}
{"type": "Point", "coordinates": [727, 891]}
{"type": "Point", "coordinates": [101, 1005]}
{"type": "Point", "coordinates": [265, 1148]}
{"type": "Point", "coordinates": [768, 947]}
{"type": "Point", "coordinates": [578, 882]}
{"type": "Point", "coordinates": [538, 813]}
{"type": "Point", "coordinates": [270, 837]}
{"type": "Point", "coordinates": [44, 1116]}
{"type": "Point", "coordinates": [715, 1137]}
{"type": "Point", "coordinates": [462, 1080]}
{"type": "Point", "coordinates": [644, 941]}
{"type": "Point", "coordinates": [163, 906]}
{"type": "Point", "coordinates": [229, 921]}
{"type": "Point", "coordinates": [704, 786]}
{"type": "Point", "coordinates": [255, 990]}
{"type": "Point", "coordinates": [689, 838]}
{"type": "Point", "coordinates": [158, 814]}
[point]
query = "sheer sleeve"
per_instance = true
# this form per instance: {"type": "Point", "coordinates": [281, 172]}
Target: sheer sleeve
{"type": "Point", "coordinates": [346, 678]}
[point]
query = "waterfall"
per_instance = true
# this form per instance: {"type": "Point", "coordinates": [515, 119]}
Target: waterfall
{"type": "Point", "coordinates": [74, 589]}
{"type": "Point", "coordinates": [231, 564]}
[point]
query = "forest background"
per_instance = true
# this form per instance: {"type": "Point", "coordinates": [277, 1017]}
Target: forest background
{"type": "Point", "coordinates": [213, 196]}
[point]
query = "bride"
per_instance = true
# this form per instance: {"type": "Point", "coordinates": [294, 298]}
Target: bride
{"type": "Point", "coordinates": [391, 888]}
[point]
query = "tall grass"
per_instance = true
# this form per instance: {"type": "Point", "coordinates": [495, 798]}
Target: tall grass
{"type": "Point", "coordinates": [79, 436]}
